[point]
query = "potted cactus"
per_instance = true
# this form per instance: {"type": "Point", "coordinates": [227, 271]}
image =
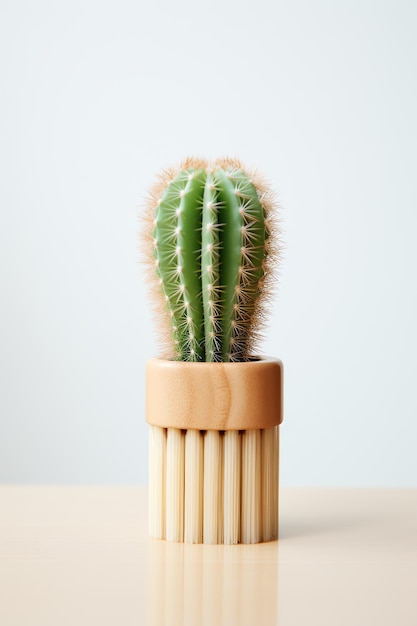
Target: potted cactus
{"type": "Point", "coordinates": [213, 406]}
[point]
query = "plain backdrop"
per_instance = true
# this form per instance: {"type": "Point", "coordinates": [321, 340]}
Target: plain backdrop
{"type": "Point", "coordinates": [97, 97]}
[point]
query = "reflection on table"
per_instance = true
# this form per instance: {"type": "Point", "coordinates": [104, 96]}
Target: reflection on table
{"type": "Point", "coordinates": [217, 585]}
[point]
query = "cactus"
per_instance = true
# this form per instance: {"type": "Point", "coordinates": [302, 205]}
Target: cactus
{"type": "Point", "coordinates": [212, 235]}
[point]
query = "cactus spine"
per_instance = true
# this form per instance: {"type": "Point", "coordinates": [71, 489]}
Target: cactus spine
{"type": "Point", "coordinates": [211, 246]}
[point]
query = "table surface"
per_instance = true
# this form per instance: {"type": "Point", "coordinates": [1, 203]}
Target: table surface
{"type": "Point", "coordinates": [81, 555]}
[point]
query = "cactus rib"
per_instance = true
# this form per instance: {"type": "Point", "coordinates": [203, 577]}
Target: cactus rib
{"type": "Point", "coordinates": [177, 260]}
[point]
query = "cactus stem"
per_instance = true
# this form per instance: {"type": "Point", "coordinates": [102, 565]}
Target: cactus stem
{"type": "Point", "coordinates": [212, 241]}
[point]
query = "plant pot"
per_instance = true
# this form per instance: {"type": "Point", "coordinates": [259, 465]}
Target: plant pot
{"type": "Point", "coordinates": [214, 450]}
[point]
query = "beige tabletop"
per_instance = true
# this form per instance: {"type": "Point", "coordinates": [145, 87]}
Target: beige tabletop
{"type": "Point", "coordinates": [81, 555]}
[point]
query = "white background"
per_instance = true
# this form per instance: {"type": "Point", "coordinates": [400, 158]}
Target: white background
{"type": "Point", "coordinates": [96, 97]}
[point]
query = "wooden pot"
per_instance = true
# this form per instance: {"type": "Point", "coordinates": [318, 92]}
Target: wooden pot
{"type": "Point", "coordinates": [214, 447]}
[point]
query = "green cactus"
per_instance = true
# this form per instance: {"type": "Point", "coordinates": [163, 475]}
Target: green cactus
{"type": "Point", "coordinates": [211, 247]}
